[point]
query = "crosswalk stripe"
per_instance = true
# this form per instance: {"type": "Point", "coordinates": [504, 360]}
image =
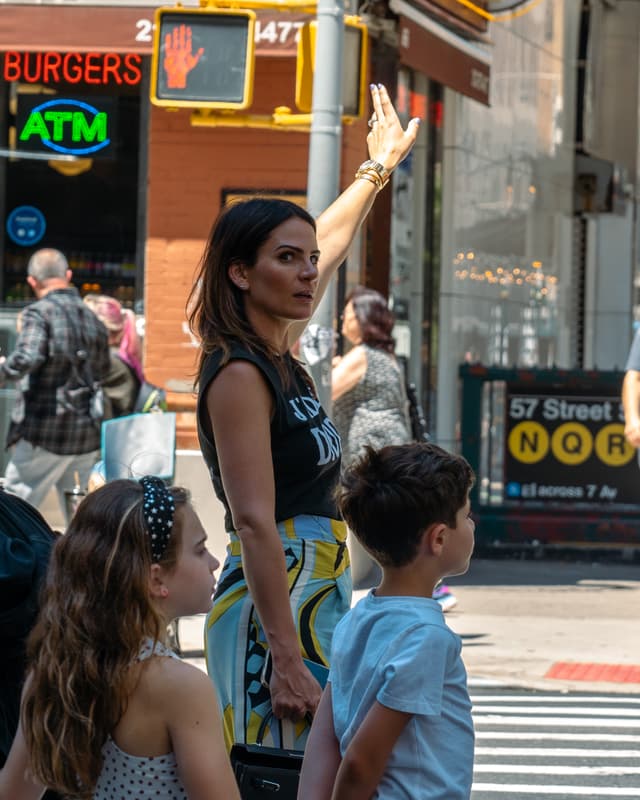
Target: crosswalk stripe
{"type": "Point", "coordinates": [556, 752]}
{"type": "Point", "coordinates": [592, 712]}
{"type": "Point", "coordinates": [554, 769]}
{"type": "Point", "coordinates": [555, 736]}
{"type": "Point", "coordinates": [523, 729]}
{"type": "Point", "coordinates": [564, 722]}
{"type": "Point", "coordinates": [544, 790]}
{"type": "Point", "coordinates": [574, 698]}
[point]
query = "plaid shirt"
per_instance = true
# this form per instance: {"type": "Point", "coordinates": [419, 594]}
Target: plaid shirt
{"type": "Point", "coordinates": [54, 328]}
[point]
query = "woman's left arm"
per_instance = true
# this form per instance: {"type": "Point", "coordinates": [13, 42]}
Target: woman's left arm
{"type": "Point", "coordinates": [348, 372]}
{"type": "Point", "coordinates": [388, 144]}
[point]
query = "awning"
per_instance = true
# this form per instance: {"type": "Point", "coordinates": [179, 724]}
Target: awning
{"type": "Point", "coordinates": [462, 64]}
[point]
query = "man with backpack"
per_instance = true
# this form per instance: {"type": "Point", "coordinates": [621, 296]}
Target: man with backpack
{"type": "Point", "coordinates": [59, 361]}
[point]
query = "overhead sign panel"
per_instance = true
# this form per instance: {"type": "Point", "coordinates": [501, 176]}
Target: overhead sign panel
{"type": "Point", "coordinates": [203, 58]}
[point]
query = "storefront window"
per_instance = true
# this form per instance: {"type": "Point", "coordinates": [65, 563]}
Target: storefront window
{"type": "Point", "coordinates": [70, 136]}
{"type": "Point", "coordinates": [416, 237]}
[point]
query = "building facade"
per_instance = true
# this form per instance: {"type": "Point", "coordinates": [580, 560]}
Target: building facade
{"type": "Point", "coordinates": [489, 249]}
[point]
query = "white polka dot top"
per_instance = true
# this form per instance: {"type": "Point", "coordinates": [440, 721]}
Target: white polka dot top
{"type": "Point", "coordinates": [126, 777]}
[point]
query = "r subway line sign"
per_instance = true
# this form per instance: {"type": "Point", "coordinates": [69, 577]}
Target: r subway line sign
{"type": "Point", "coordinates": [69, 126]}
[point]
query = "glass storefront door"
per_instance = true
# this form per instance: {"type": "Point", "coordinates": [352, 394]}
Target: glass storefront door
{"type": "Point", "coordinates": [73, 181]}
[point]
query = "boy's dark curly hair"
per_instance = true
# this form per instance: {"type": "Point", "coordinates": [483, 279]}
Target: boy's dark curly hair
{"type": "Point", "coordinates": [390, 496]}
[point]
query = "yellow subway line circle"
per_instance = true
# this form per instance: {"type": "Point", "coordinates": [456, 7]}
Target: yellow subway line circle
{"type": "Point", "coordinates": [612, 448]}
{"type": "Point", "coordinates": [572, 443]}
{"type": "Point", "coordinates": [528, 442]}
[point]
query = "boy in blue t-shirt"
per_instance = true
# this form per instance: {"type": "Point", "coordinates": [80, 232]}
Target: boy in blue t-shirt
{"type": "Point", "coordinates": [394, 722]}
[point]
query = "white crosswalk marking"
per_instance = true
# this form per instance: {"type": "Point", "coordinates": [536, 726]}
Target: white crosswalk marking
{"type": "Point", "coordinates": [533, 744]}
{"type": "Point", "coordinates": [555, 752]}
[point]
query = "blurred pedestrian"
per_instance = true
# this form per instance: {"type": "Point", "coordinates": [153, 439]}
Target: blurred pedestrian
{"type": "Point", "coordinates": [631, 393]}
{"type": "Point", "coordinates": [60, 358]}
{"type": "Point", "coordinates": [273, 455]}
{"type": "Point", "coordinates": [368, 383]}
{"type": "Point", "coordinates": [108, 710]}
{"type": "Point", "coordinates": [370, 408]}
{"type": "Point", "coordinates": [369, 397]}
{"type": "Point", "coordinates": [122, 383]}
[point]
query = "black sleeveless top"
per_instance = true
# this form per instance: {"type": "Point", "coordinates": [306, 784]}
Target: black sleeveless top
{"type": "Point", "coordinates": [305, 446]}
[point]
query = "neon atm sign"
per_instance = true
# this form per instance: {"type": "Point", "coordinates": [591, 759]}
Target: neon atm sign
{"type": "Point", "coordinates": [69, 126]}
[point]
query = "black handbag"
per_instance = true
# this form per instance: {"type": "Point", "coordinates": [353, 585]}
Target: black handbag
{"type": "Point", "coordinates": [263, 771]}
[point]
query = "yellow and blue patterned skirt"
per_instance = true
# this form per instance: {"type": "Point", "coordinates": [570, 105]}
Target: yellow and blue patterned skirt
{"type": "Point", "coordinates": [320, 594]}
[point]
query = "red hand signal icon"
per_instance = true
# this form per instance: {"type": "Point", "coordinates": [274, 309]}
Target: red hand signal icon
{"type": "Point", "coordinates": [179, 59]}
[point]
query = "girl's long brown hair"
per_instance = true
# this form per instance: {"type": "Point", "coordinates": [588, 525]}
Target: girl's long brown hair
{"type": "Point", "coordinates": [96, 612]}
{"type": "Point", "coordinates": [215, 308]}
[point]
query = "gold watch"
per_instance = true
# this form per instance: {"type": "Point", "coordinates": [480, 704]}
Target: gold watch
{"type": "Point", "coordinates": [376, 167]}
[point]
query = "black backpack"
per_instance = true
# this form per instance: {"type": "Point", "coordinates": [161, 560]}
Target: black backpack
{"type": "Point", "coordinates": [25, 545]}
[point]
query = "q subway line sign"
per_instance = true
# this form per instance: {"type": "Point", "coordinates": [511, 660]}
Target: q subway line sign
{"type": "Point", "coordinates": [68, 126]}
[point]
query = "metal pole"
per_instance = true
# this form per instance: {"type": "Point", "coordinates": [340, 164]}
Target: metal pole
{"type": "Point", "coordinates": [324, 176]}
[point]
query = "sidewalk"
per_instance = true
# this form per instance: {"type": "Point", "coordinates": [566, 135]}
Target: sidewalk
{"type": "Point", "coordinates": [521, 621]}
{"type": "Point", "coordinates": [518, 619]}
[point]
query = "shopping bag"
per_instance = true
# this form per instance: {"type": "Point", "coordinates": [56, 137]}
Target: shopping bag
{"type": "Point", "coordinates": [139, 444]}
{"type": "Point", "coordinates": [263, 771]}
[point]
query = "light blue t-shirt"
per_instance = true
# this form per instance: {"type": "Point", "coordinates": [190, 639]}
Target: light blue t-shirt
{"type": "Point", "coordinates": [400, 652]}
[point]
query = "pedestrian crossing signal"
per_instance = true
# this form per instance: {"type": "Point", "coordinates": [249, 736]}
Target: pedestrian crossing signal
{"type": "Point", "coordinates": [203, 58]}
{"type": "Point", "coordinates": [354, 67]}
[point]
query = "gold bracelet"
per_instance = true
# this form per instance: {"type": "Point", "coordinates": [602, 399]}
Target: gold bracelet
{"type": "Point", "coordinates": [369, 176]}
{"type": "Point", "coordinates": [381, 171]}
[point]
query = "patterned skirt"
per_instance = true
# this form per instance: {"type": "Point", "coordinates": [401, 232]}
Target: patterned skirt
{"type": "Point", "coordinates": [320, 594]}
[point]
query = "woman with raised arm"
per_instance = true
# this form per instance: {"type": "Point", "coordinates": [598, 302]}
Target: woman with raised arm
{"type": "Point", "coordinates": [273, 455]}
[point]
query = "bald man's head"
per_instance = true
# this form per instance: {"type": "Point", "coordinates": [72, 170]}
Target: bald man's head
{"type": "Point", "coordinates": [47, 263]}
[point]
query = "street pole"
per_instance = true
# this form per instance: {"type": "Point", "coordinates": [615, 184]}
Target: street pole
{"type": "Point", "coordinates": [324, 177]}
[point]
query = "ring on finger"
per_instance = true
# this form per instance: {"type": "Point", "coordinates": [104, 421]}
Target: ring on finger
{"type": "Point", "coordinates": [372, 120]}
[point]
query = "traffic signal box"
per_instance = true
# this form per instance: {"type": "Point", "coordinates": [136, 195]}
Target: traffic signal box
{"type": "Point", "coordinates": [204, 58]}
{"type": "Point", "coordinates": [354, 67]}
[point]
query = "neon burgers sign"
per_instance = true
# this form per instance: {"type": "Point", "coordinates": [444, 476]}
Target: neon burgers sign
{"type": "Point", "coordinates": [69, 126]}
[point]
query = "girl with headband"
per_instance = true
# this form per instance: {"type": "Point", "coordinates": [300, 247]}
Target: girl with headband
{"type": "Point", "coordinates": [108, 710]}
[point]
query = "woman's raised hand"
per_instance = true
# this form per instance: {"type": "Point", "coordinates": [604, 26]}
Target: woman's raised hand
{"type": "Point", "coordinates": [387, 141]}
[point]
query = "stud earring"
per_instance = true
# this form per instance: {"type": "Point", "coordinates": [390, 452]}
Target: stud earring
{"type": "Point", "coordinates": [164, 592]}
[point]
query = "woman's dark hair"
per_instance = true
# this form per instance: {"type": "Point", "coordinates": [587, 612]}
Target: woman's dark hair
{"type": "Point", "coordinates": [374, 317]}
{"type": "Point", "coordinates": [215, 308]}
{"type": "Point", "coordinates": [389, 497]}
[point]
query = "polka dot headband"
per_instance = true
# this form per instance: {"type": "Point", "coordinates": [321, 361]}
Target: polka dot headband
{"type": "Point", "coordinates": [158, 508]}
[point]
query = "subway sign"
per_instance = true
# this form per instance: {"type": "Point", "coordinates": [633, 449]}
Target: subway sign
{"type": "Point", "coordinates": [567, 449]}
{"type": "Point", "coordinates": [83, 127]}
